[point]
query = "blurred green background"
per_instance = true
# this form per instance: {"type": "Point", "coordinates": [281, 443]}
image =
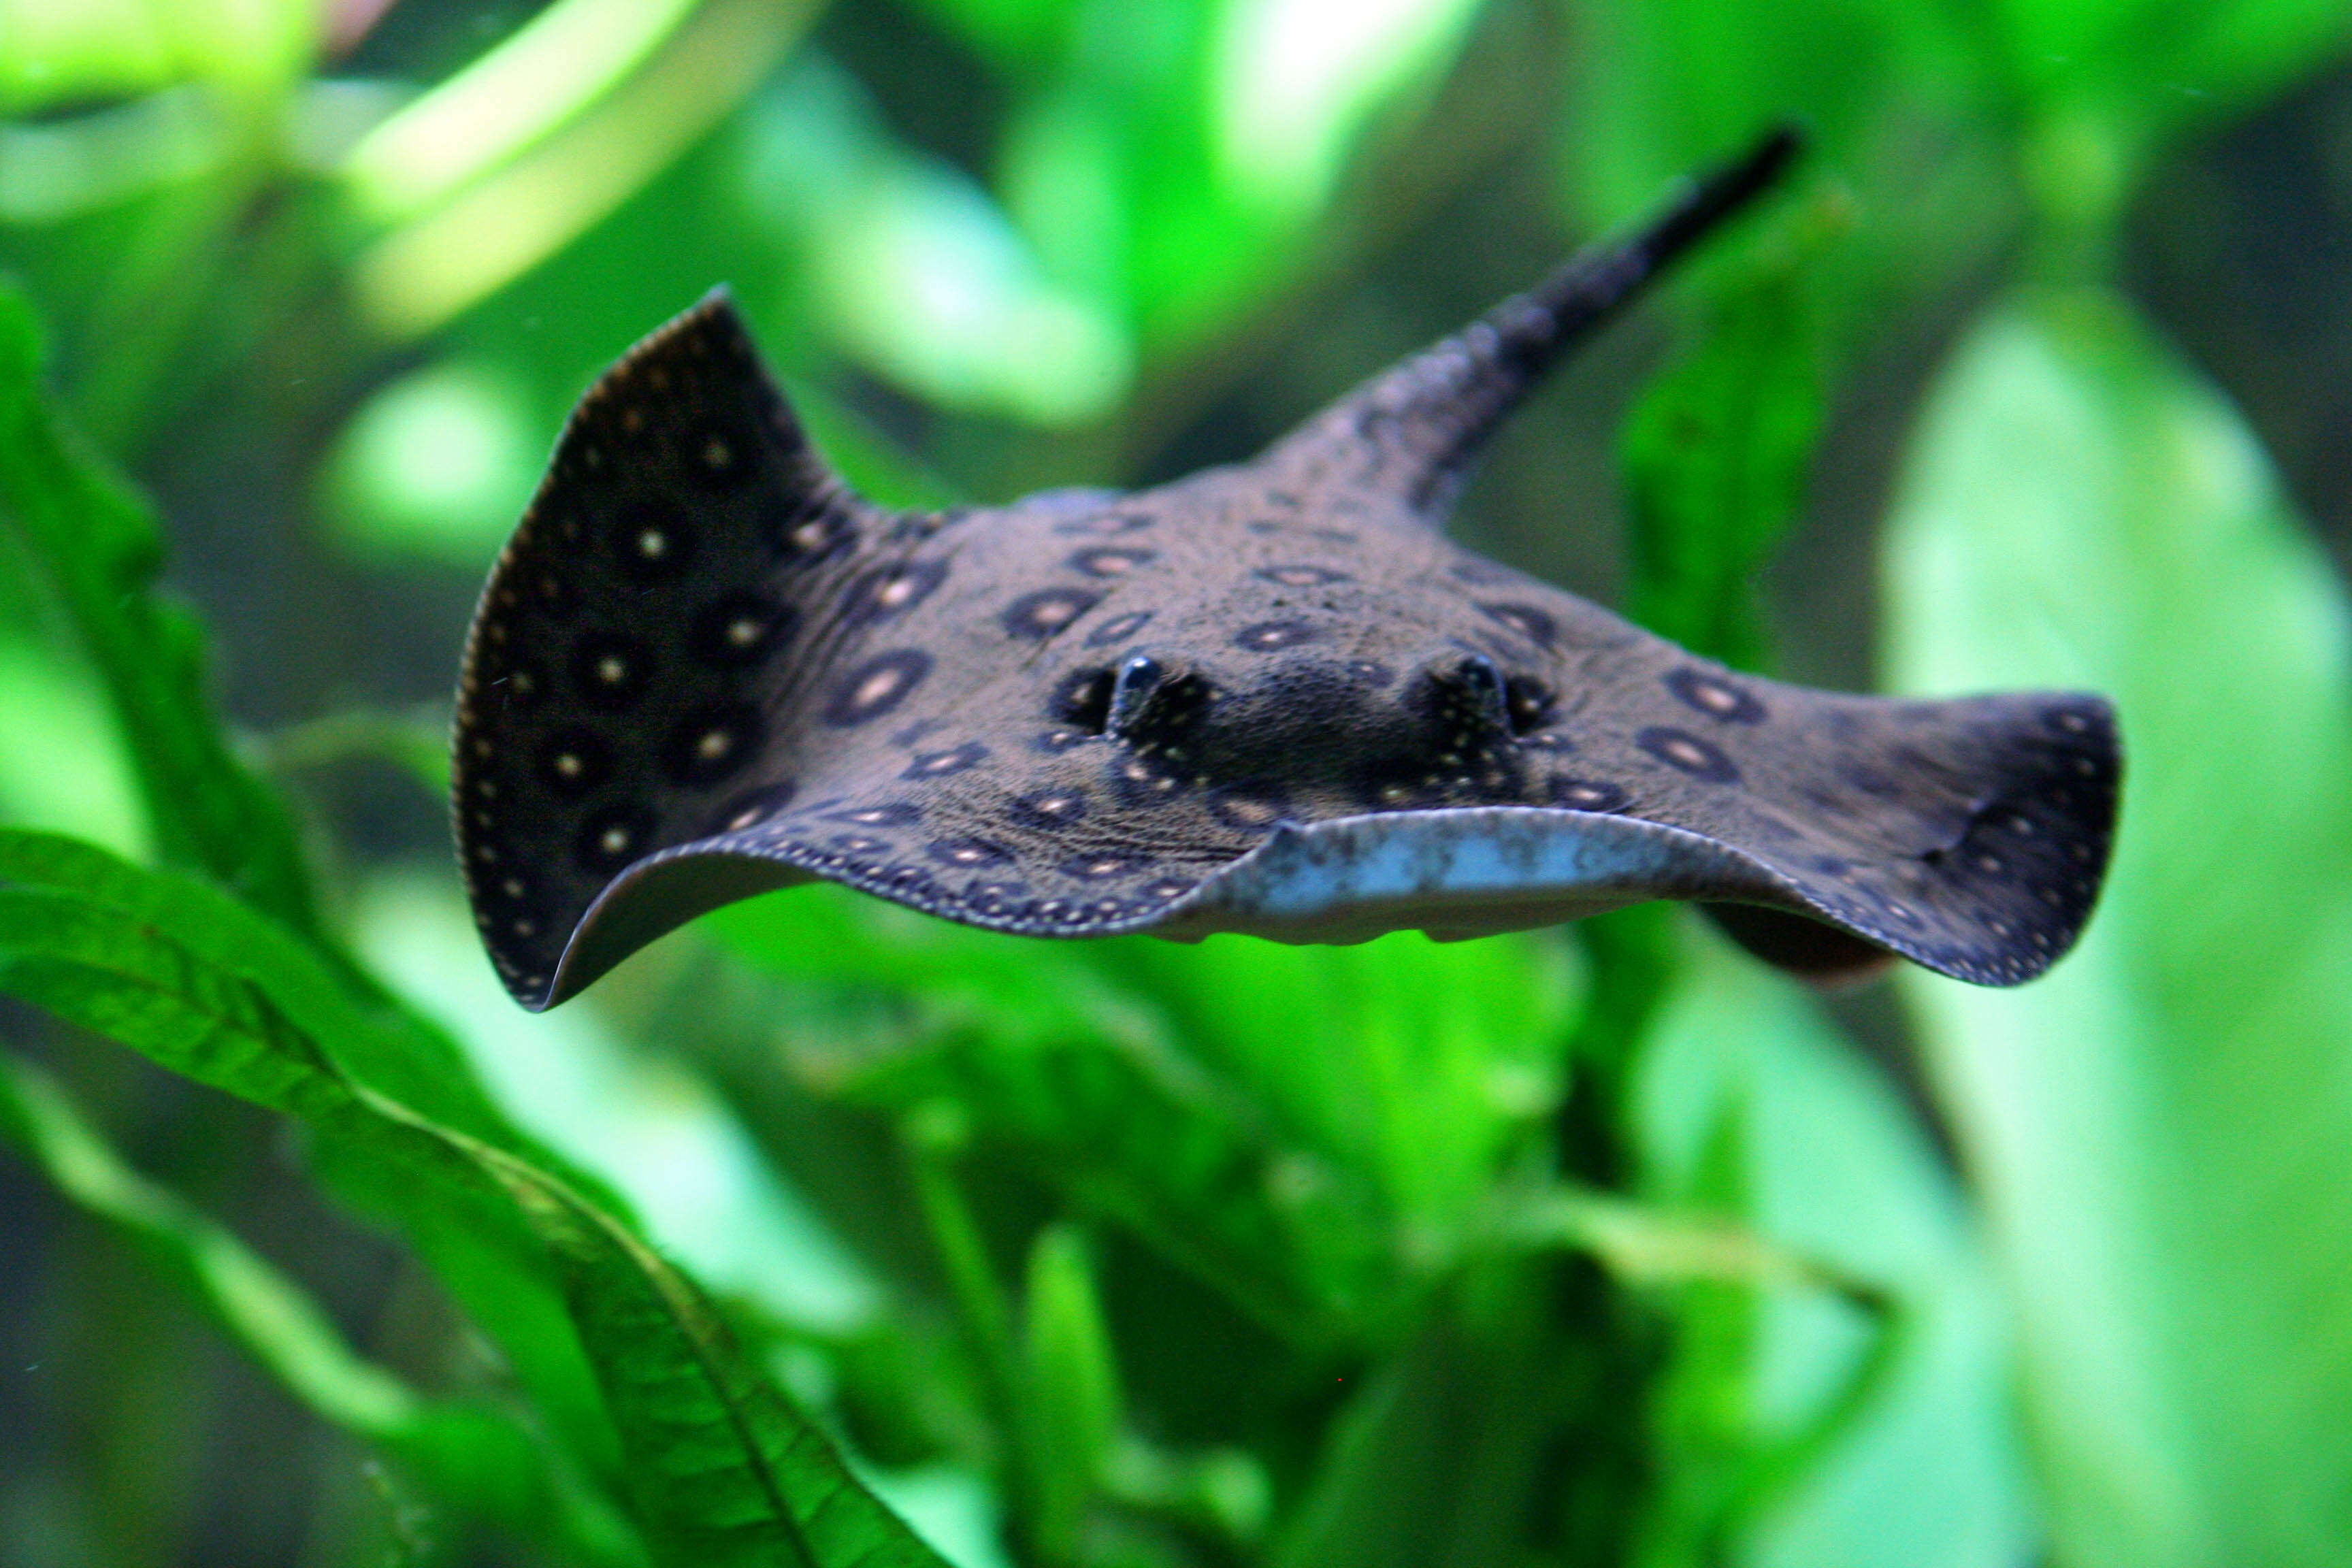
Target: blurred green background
{"type": "Point", "coordinates": [1599, 1246]}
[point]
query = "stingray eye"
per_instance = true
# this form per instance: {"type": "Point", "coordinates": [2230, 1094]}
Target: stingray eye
{"type": "Point", "coordinates": [1138, 678]}
{"type": "Point", "coordinates": [1083, 700]}
{"type": "Point", "coordinates": [1529, 702]}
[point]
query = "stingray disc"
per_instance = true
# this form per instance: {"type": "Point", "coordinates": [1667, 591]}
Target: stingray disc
{"type": "Point", "coordinates": [1272, 698]}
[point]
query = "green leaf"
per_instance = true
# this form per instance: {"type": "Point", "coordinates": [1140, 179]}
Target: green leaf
{"type": "Point", "coordinates": [99, 549]}
{"type": "Point", "coordinates": [1715, 459]}
{"type": "Point", "coordinates": [537, 80]}
{"type": "Point", "coordinates": [1296, 81]}
{"type": "Point", "coordinates": [1813, 1435]}
{"type": "Point", "coordinates": [556, 169]}
{"type": "Point", "coordinates": [2213, 58]}
{"type": "Point", "coordinates": [60, 768]}
{"type": "Point", "coordinates": [2160, 1127]}
{"type": "Point", "coordinates": [1049, 1056]}
{"type": "Point", "coordinates": [912, 268]}
{"type": "Point", "coordinates": [644, 1122]}
{"type": "Point", "coordinates": [101, 48]}
{"type": "Point", "coordinates": [1411, 1065]}
{"type": "Point", "coordinates": [725, 1469]}
{"type": "Point", "coordinates": [1894, 102]}
{"type": "Point", "coordinates": [721, 1467]}
{"type": "Point", "coordinates": [1071, 1391]}
{"type": "Point", "coordinates": [471, 1455]}
{"type": "Point", "coordinates": [202, 986]}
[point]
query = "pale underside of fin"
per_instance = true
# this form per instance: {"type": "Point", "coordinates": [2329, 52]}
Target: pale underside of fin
{"type": "Point", "coordinates": [1457, 874]}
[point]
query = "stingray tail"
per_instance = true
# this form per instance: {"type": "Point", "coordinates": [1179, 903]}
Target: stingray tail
{"type": "Point", "coordinates": [1422, 422]}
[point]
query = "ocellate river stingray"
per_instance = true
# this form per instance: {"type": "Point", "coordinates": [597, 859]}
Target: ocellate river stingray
{"type": "Point", "coordinates": [1269, 698]}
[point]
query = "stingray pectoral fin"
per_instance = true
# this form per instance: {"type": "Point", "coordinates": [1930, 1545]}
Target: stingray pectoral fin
{"type": "Point", "coordinates": [649, 900]}
{"type": "Point", "coordinates": [1808, 949]}
{"type": "Point", "coordinates": [621, 690]}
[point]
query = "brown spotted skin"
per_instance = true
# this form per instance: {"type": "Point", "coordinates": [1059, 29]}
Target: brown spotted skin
{"type": "Point", "coordinates": [702, 668]}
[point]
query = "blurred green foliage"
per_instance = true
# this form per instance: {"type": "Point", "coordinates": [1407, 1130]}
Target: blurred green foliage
{"type": "Point", "coordinates": [824, 1234]}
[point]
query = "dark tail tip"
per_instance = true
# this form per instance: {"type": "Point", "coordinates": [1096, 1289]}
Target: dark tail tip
{"type": "Point", "coordinates": [1414, 428]}
{"type": "Point", "coordinates": [1711, 200]}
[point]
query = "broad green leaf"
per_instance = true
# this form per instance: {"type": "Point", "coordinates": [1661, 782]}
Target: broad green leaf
{"type": "Point", "coordinates": [1830, 1465]}
{"type": "Point", "coordinates": [60, 768]}
{"type": "Point", "coordinates": [912, 269]}
{"type": "Point", "coordinates": [1070, 1386]}
{"type": "Point", "coordinates": [99, 548]}
{"type": "Point", "coordinates": [57, 169]}
{"type": "Point", "coordinates": [721, 1468]}
{"type": "Point", "coordinates": [472, 1456]}
{"type": "Point", "coordinates": [535, 81]}
{"type": "Point", "coordinates": [2151, 68]}
{"type": "Point", "coordinates": [1412, 1065]}
{"type": "Point", "coordinates": [70, 51]}
{"type": "Point", "coordinates": [1297, 79]}
{"type": "Point", "coordinates": [493, 229]}
{"type": "Point", "coordinates": [1895, 108]}
{"type": "Point", "coordinates": [1716, 458]}
{"type": "Point", "coordinates": [2162, 1127]}
{"type": "Point", "coordinates": [725, 1469]}
{"type": "Point", "coordinates": [436, 467]}
{"type": "Point", "coordinates": [370, 1041]}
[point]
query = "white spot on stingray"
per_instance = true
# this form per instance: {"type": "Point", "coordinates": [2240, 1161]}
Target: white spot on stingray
{"type": "Point", "coordinates": [714, 745]}
{"type": "Point", "coordinates": [613, 840]}
{"type": "Point", "coordinates": [612, 669]}
{"type": "Point", "coordinates": [568, 765]}
{"type": "Point", "coordinates": [717, 454]}
{"type": "Point", "coordinates": [1687, 753]}
{"type": "Point", "coordinates": [745, 630]}
{"type": "Point", "coordinates": [652, 544]}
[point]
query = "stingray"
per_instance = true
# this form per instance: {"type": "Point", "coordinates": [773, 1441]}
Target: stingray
{"type": "Point", "coordinates": [1269, 698]}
